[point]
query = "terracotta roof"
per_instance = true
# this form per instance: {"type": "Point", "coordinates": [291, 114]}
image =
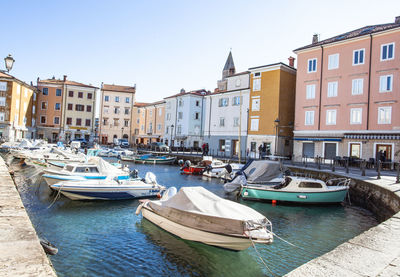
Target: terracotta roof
{"type": "Point", "coordinates": [62, 82]}
{"type": "Point", "coordinates": [367, 30]}
{"type": "Point", "coordinates": [237, 74]}
{"type": "Point", "coordinates": [5, 75]}
{"type": "Point", "coordinates": [12, 78]}
{"type": "Point", "coordinates": [199, 92]}
{"type": "Point", "coordinates": [140, 104]}
{"type": "Point", "coordinates": [119, 88]}
{"type": "Point", "coordinates": [272, 64]}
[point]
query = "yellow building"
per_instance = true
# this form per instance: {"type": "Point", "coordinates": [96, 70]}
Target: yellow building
{"type": "Point", "coordinates": [17, 105]}
{"type": "Point", "coordinates": [271, 112]}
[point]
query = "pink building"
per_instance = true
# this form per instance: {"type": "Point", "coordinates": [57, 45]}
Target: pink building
{"type": "Point", "coordinates": [348, 95]}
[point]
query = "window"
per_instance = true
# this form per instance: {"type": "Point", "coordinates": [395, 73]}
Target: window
{"type": "Point", "coordinates": [80, 94]}
{"type": "Point", "coordinates": [34, 96]}
{"type": "Point", "coordinates": [254, 124]}
{"type": "Point", "coordinates": [2, 117]}
{"type": "Point", "coordinates": [126, 122]}
{"type": "Point", "coordinates": [357, 86]}
{"type": "Point", "coordinates": [44, 105]}
{"type": "Point", "coordinates": [69, 121]}
{"type": "Point", "coordinates": [70, 93]}
{"type": "Point", "coordinates": [221, 122]}
{"type": "Point", "coordinates": [80, 108]}
{"type": "Point", "coordinates": [56, 120]}
{"type": "Point", "coordinates": [70, 106]}
{"type": "Point", "coordinates": [137, 121]}
{"type": "Point", "coordinates": [127, 100]}
{"type": "Point", "coordinates": [355, 115]}
{"type": "Point", "coordinates": [333, 61]}
{"type": "Point", "coordinates": [142, 127]}
{"type": "Point", "coordinates": [57, 106]}
{"type": "Point", "coordinates": [87, 122]}
{"type": "Point", "coordinates": [313, 185]}
{"type": "Point", "coordinates": [45, 91]}
{"type": "Point", "coordinates": [332, 89]}
{"type": "Point", "coordinates": [106, 98]}
{"type": "Point", "coordinates": [257, 84]}
{"type": "Point", "coordinates": [312, 65]}
{"type": "Point", "coordinates": [179, 129]}
{"type": "Point", "coordinates": [223, 102]}
{"type": "Point", "coordinates": [310, 91]}
{"type": "Point", "coordinates": [168, 116]}
{"type": "Point", "coordinates": [385, 83]}
{"type": "Point", "coordinates": [89, 108]}
{"type": "Point", "coordinates": [180, 115]}
{"type": "Point", "coordinates": [197, 116]}
{"type": "Point", "coordinates": [58, 92]}
{"type": "Point", "coordinates": [384, 115]}
{"type": "Point", "coordinates": [116, 98]}
{"type": "Point", "coordinates": [197, 103]}
{"type": "Point", "coordinates": [308, 149]}
{"type": "Point", "coordinates": [116, 122]}
{"type": "Point", "coordinates": [235, 121]}
{"type": "Point", "coordinates": [33, 109]}
{"type": "Point", "coordinates": [180, 103]}
{"type": "Point", "coordinates": [127, 110]}
{"type": "Point", "coordinates": [151, 113]}
{"type": "Point", "coordinates": [237, 83]}
{"type": "Point", "coordinates": [105, 109]}
{"type": "Point", "coordinates": [2, 101]}
{"type": "Point", "coordinates": [255, 104]}
{"type": "Point", "coordinates": [257, 74]}
{"type": "Point", "coordinates": [358, 56]}
{"type": "Point", "coordinates": [160, 112]}
{"type": "Point", "coordinates": [43, 119]}
{"type": "Point", "coordinates": [309, 118]}
{"type": "Point", "coordinates": [89, 96]}
{"type": "Point", "coordinates": [236, 100]}
{"type": "Point", "coordinates": [221, 145]}
{"type": "Point", "coordinates": [78, 122]}
{"type": "Point", "coordinates": [116, 110]}
{"type": "Point", "coordinates": [105, 121]}
{"type": "Point", "coordinates": [387, 51]}
{"type": "Point", "coordinates": [330, 117]}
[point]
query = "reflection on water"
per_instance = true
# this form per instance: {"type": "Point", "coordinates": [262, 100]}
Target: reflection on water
{"type": "Point", "coordinates": [106, 238]}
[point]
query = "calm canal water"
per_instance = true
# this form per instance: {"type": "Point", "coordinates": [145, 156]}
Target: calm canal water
{"type": "Point", "coordinates": [100, 238]}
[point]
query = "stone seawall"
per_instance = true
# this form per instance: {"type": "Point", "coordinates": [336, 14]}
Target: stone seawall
{"type": "Point", "coordinates": [20, 251]}
{"type": "Point", "coordinates": [375, 252]}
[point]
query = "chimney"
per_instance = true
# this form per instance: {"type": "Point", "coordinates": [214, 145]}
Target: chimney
{"type": "Point", "coordinates": [397, 20]}
{"type": "Point", "coordinates": [291, 61]}
{"type": "Point", "coordinates": [314, 38]}
{"type": "Point", "coordinates": [65, 78]}
{"type": "Point", "coordinates": [183, 91]}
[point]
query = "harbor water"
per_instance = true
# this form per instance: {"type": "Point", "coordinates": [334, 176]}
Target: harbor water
{"type": "Point", "coordinates": [106, 238]}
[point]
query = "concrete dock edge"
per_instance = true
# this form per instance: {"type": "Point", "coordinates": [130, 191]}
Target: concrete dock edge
{"type": "Point", "coordinates": [20, 251]}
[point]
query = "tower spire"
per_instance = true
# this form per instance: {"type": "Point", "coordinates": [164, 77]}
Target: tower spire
{"type": "Point", "coordinates": [229, 68]}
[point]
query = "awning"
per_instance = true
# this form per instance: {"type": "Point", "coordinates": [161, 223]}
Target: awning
{"type": "Point", "coordinates": [372, 136]}
{"type": "Point", "coordinates": [318, 139]}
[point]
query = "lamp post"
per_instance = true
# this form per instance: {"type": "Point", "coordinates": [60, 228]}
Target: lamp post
{"type": "Point", "coordinates": [170, 142]}
{"type": "Point", "coordinates": [122, 132]}
{"type": "Point", "coordinates": [277, 121]}
{"type": "Point", "coordinates": [9, 62]}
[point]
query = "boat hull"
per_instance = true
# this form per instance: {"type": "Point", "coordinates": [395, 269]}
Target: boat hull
{"type": "Point", "coordinates": [328, 197]}
{"type": "Point", "coordinates": [106, 193]}
{"type": "Point", "coordinates": [192, 170]}
{"type": "Point", "coordinates": [235, 243]}
{"type": "Point", "coordinates": [53, 179]}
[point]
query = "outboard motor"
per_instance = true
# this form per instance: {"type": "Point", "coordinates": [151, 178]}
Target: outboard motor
{"type": "Point", "coordinates": [208, 168]}
{"type": "Point", "coordinates": [150, 178]}
{"type": "Point", "coordinates": [228, 168]}
{"type": "Point", "coordinates": [134, 174]}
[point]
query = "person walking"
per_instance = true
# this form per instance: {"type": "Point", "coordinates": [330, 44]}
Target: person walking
{"type": "Point", "coordinates": [203, 148]}
{"type": "Point", "coordinates": [206, 149]}
{"type": "Point", "coordinates": [260, 148]}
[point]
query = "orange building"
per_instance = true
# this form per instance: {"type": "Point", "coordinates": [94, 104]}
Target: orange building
{"type": "Point", "coordinates": [17, 105]}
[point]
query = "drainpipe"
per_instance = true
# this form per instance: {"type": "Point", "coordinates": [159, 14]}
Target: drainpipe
{"type": "Point", "coordinates": [201, 122]}
{"type": "Point", "coordinates": [209, 119]}
{"type": "Point", "coordinates": [320, 89]}
{"type": "Point", "coordinates": [131, 119]}
{"type": "Point", "coordinates": [63, 114]}
{"type": "Point", "coordinates": [176, 116]}
{"type": "Point", "coordinates": [369, 79]}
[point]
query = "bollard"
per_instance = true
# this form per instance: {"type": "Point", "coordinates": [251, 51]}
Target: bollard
{"type": "Point", "coordinates": [363, 164]}
{"type": "Point", "coordinates": [333, 165]}
{"type": "Point", "coordinates": [347, 165]}
{"type": "Point", "coordinates": [398, 173]}
{"type": "Point", "coordinates": [379, 170]}
{"type": "Point", "coordinates": [293, 159]}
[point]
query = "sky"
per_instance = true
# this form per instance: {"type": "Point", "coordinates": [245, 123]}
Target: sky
{"type": "Point", "coordinates": [163, 46]}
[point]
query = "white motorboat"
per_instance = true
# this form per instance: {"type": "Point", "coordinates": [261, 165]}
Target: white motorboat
{"type": "Point", "coordinates": [196, 214]}
{"type": "Point", "coordinates": [224, 173]}
{"type": "Point", "coordinates": [95, 169]}
{"type": "Point", "coordinates": [110, 189]}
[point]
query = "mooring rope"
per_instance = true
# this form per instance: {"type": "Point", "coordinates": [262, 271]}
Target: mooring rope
{"type": "Point", "coordinates": [259, 255]}
{"type": "Point", "coordinates": [56, 197]}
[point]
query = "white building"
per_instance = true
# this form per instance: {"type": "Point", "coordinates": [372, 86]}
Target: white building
{"type": "Point", "coordinates": [184, 119]}
{"type": "Point", "coordinates": [226, 117]}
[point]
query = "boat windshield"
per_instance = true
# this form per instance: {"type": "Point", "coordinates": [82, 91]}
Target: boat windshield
{"type": "Point", "coordinates": [284, 183]}
{"type": "Point", "coordinates": [313, 185]}
{"type": "Point", "coordinates": [86, 169]}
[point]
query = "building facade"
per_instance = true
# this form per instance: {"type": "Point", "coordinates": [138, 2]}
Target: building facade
{"type": "Point", "coordinates": [184, 118]}
{"type": "Point", "coordinates": [66, 110]}
{"type": "Point", "coordinates": [116, 113]}
{"type": "Point", "coordinates": [271, 109]}
{"type": "Point", "coordinates": [17, 105]}
{"type": "Point", "coordinates": [225, 128]}
{"type": "Point", "coordinates": [348, 95]}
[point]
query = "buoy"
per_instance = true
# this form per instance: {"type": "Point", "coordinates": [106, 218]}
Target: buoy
{"type": "Point", "coordinates": [158, 195]}
{"type": "Point", "coordinates": [273, 202]}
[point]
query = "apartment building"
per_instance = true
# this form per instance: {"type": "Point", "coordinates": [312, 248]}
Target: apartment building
{"type": "Point", "coordinates": [139, 134]}
{"type": "Point", "coordinates": [347, 95]}
{"type": "Point", "coordinates": [116, 112]}
{"type": "Point", "coordinates": [17, 108]}
{"type": "Point", "coordinates": [225, 117]}
{"type": "Point", "coordinates": [66, 110]}
{"type": "Point", "coordinates": [271, 109]}
{"type": "Point", "coordinates": [184, 118]}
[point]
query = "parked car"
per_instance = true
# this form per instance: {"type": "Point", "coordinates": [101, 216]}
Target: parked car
{"type": "Point", "coordinates": [123, 143]}
{"type": "Point", "coordinates": [82, 141]}
{"type": "Point", "coordinates": [159, 146]}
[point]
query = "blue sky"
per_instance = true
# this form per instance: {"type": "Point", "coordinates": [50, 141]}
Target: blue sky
{"type": "Point", "coordinates": [163, 46]}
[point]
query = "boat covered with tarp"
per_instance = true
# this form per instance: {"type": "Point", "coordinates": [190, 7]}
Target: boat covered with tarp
{"type": "Point", "coordinates": [196, 214]}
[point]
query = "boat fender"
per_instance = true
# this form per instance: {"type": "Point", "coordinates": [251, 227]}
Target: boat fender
{"type": "Point", "coordinates": [48, 247]}
{"type": "Point", "coordinates": [228, 168]}
{"type": "Point", "coordinates": [139, 208]}
{"type": "Point", "coordinates": [158, 195]}
{"type": "Point", "coordinates": [188, 163]}
{"type": "Point", "coordinates": [181, 163]}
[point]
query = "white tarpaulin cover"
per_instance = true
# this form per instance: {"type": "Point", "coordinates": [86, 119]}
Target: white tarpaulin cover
{"type": "Point", "coordinates": [106, 167]}
{"type": "Point", "coordinates": [199, 208]}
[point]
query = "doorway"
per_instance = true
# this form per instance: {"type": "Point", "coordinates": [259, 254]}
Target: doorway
{"type": "Point", "coordinates": [355, 150]}
{"type": "Point", "coordinates": [383, 152]}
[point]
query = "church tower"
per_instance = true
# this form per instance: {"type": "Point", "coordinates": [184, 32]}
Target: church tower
{"type": "Point", "coordinates": [229, 69]}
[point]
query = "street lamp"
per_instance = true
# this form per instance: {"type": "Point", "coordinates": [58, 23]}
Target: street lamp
{"type": "Point", "coordinates": [172, 128]}
{"type": "Point", "coordinates": [9, 61]}
{"type": "Point", "coordinates": [277, 121]}
{"type": "Point", "coordinates": [122, 132]}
